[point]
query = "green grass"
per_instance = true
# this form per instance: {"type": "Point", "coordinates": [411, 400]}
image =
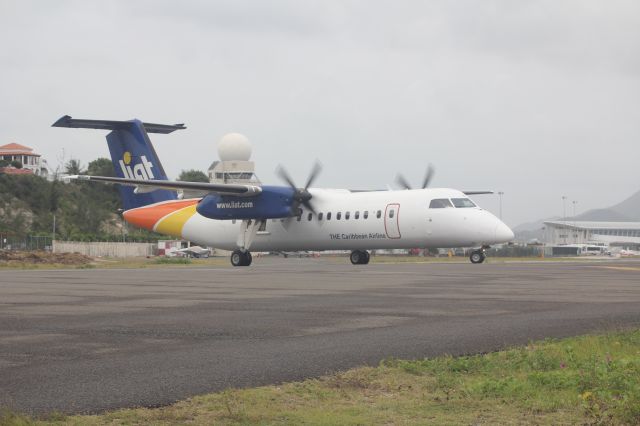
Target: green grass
{"type": "Point", "coordinates": [593, 379]}
{"type": "Point", "coordinates": [171, 261]}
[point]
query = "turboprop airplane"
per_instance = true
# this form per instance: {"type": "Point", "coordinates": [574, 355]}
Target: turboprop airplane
{"type": "Point", "coordinates": [240, 217]}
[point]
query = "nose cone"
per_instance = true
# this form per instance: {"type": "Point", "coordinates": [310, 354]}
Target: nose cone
{"type": "Point", "coordinates": [503, 233]}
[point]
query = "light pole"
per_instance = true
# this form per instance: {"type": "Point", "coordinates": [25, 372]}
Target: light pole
{"type": "Point", "coordinates": [574, 202]}
{"type": "Point", "coordinates": [500, 194]}
{"type": "Point", "coordinates": [564, 207]}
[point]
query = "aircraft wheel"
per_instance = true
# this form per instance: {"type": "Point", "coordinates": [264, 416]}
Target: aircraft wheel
{"type": "Point", "coordinates": [240, 258]}
{"type": "Point", "coordinates": [477, 256]}
{"type": "Point", "coordinates": [359, 257]}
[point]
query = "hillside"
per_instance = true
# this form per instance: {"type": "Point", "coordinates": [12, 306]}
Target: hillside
{"type": "Point", "coordinates": [28, 204]}
{"type": "Point", "coordinates": [629, 207]}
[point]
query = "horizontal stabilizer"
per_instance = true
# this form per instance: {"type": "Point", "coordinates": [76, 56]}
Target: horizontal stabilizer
{"type": "Point", "coordinates": [217, 188]}
{"type": "Point", "coordinates": [67, 121]}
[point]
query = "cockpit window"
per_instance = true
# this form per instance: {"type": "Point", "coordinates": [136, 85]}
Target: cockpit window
{"type": "Point", "coordinates": [462, 202]}
{"type": "Point", "coordinates": [440, 203]}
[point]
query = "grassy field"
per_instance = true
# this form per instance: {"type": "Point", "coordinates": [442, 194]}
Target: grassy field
{"type": "Point", "coordinates": [592, 379]}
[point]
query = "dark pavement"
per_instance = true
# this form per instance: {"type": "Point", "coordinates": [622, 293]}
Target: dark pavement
{"type": "Point", "coordinates": [91, 340]}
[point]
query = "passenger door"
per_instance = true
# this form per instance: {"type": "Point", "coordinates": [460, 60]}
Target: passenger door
{"type": "Point", "coordinates": [392, 221]}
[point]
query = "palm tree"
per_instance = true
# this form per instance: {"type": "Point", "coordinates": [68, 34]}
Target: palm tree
{"type": "Point", "coordinates": [73, 167]}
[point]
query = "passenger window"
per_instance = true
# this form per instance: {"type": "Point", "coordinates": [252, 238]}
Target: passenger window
{"type": "Point", "coordinates": [329, 216]}
{"type": "Point", "coordinates": [346, 215]}
{"type": "Point", "coordinates": [379, 214]}
{"type": "Point", "coordinates": [320, 216]}
{"type": "Point", "coordinates": [233, 221]}
{"type": "Point", "coordinates": [392, 212]}
{"type": "Point", "coordinates": [357, 216]}
{"type": "Point", "coordinates": [440, 203]}
{"type": "Point", "coordinates": [366, 214]}
{"type": "Point", "coordinates": [338, 215]}
{"type": "Point", "coordinates": [462, 203]}
{"type": "Point", "coordinates": [263, 226]}
{"type": "Point", "coordinates": [310, 216]}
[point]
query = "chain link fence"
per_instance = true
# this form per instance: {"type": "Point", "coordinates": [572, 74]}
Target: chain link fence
{"type": "Point", "coordinates": [29, 242]}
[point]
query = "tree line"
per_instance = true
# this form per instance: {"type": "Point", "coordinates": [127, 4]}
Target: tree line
{"type": "Point", "coordinates": [82, 211]}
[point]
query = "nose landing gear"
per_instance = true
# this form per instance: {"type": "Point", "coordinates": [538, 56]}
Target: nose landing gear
{"type": "Point", "coordinates": [241, 258]}
{"type": "Point", "coordinates": [359, 257]}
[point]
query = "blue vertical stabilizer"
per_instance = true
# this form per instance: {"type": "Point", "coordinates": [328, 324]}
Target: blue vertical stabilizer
{"type": "Point", "coordinates": [132, 155]}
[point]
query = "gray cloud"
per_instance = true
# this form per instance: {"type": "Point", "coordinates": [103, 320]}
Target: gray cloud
{"type": "Point", "coordinates": [537, 99]}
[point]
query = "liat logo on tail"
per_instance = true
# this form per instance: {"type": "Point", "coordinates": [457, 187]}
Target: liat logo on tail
{"type": "Point", "coordinates": [141, 171]}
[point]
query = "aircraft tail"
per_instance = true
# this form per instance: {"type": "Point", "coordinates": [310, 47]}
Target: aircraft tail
{"type": "Point", "coordinates": [132, 154]}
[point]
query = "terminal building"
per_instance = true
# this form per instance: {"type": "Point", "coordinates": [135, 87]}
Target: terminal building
{"type": "Point", "coordinates": [625, 235]}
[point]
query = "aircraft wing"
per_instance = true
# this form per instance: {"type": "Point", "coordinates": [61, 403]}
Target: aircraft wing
{"type": "Point", "coordinates": [464, 192]}
{"type": "Point", "coordinates": [152, 185]}
{"type": "Point", "coordinates": [477, 192]}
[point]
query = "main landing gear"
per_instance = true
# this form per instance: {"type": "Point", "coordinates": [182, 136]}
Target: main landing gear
{"type": "Point", "coordinates": [359, 257]}
{"type": "Point", "coordinates": [248, 229]}
{"type": "Point", "coordinates": [478, 256]}
{"type": "Point", "coordinates": [241, 258]}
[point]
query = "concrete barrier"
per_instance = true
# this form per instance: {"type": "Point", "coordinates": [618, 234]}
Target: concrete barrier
{"type": "Point", "coordinates": [100, 249]}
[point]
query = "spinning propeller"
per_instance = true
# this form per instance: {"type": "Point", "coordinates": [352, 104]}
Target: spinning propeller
{"type": "Point", "coordinates": [400, 180]}
{"type": "Point", "coordinates": [301, 195]}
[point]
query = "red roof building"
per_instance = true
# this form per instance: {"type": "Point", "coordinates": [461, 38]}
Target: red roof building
{"type": "Point", "coordinates": [30, 160]}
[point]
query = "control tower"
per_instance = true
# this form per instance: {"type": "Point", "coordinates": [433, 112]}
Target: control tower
{"type": "Point", "coordinates": [234, 166]}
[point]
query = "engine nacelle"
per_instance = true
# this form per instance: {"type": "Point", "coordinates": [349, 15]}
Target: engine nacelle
{"type": "Point", "coordinates": [273, 202]}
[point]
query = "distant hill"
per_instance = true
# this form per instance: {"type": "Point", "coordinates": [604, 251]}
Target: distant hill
{"type": "Point", "coordinates": [626, 211]}
{"type": "Point", "coordinates": [629, 207]}
{"type": "Point", "coordinates": [604, 215]}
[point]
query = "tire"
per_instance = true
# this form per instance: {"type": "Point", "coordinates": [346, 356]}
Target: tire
{"type": "Point", "coordinates": [237, 258]}
{"type": "Point", "coordinates": [356, 257]}
{"type": "Point", "coordinates": [367, 256]}
{"type": "Point", "coordinates": [477, 256]}
{"type": "Point", "coordinates": [240, 258]}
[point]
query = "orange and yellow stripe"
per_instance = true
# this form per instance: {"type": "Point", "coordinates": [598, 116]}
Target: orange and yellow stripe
{"type": "Point", "coordinates": [165, 218]}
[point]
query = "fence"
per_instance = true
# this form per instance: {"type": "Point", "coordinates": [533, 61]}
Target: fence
{"type": "Point", "coordinates": [30, 242]}
{"type": "Point", "coordinates": [97, 249]}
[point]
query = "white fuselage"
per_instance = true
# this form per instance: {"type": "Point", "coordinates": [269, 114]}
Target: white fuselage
{"type": "Point", "coordinates": [394, 219]}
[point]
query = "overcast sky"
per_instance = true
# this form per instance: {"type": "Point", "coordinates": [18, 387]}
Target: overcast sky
{"type": "Point", "coordinates": [538, 99]}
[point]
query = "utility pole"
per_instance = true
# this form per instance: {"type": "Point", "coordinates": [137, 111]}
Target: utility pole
{"type": "Point", "coordinates": [500, 194]}
{"type": "Point", "coordinates": [564, 217]}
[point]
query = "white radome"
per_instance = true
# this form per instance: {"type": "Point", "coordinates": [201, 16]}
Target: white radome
{"type": "Point", "coordinates": [234, 147]}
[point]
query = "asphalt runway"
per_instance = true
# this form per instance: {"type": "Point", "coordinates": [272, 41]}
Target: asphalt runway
{"type": "Point", "coordinates": [92, 340]}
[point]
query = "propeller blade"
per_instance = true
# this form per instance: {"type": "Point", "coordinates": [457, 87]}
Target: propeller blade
{"type": "Point", "coordinates": [400, 180]}
{"type": "Point", "coordinates": [282, 173]}
{"type": "Point", "coordinates": [428, 176]}
{"type": "Point", "coordinates": [309, 206]}
{"type": "Point", "coordinates": [315, 171]}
